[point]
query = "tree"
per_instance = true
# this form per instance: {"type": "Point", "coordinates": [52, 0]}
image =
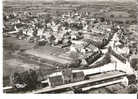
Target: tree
{"type": "Point", "coordinates": [26, 79]}
{"type": "Point", "coordinates": [75, 59]}
{"type": "Point", "coordinates": [132, 88]}
{"type": "Point", "coordinates": [48, 18]}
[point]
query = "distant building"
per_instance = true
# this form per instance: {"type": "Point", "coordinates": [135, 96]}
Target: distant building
{"type": "Point", "coordinates": [118, 14]}
{"type": "Point", "coordinates": [55, 81]}
{"type": "Point", "coordinates": [123, 19]}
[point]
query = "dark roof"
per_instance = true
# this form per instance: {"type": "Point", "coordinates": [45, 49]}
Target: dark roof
{"type": "Point", "coordinates": [78, 75]}
{"type": "Point", "coordinates": [120, 57]}
{"type": "Point", "coordinates": [95, 43]}
{"type": "Point", "coordinates": [106, 58]}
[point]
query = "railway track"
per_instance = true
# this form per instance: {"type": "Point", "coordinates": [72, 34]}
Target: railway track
{"type": "Point", "coordinates": [95, 81]}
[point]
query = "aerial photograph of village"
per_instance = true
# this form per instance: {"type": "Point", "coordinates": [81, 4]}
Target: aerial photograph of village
{"type": "Point", "coordinates": [70, 46]}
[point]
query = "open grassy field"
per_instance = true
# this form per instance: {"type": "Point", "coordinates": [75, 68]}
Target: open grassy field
{"type": "Point", "coordinates": [12, 63]}
{"type": "Point", "coordinates": [67, 6]}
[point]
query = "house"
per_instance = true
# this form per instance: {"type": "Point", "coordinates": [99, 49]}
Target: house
{"type": "Point", "coordinates": [78, 76]}
{"type": "Point", "coordinates": [109, 57]}
{"type": "Point", "coordinates": [83, 47]}
{"type": "Point", "coordinates": [66, 77]}
{"type": "Point", "coordinates": [118, 14]}
{"type": "Point", "coordinates": [55, 81]}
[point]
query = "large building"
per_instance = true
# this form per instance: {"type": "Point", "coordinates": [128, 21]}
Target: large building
{"type": "Point", "coordinates": [137, 10]}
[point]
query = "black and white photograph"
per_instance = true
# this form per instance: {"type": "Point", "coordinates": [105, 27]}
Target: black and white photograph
{"type": "Point", "coordinates": [70, 46]}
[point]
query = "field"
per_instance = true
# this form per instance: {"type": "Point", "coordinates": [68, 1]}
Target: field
{"type": "Point", "coordinates": [58, 7]}
{"type": "Point", "coordinates": [12, 63]}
